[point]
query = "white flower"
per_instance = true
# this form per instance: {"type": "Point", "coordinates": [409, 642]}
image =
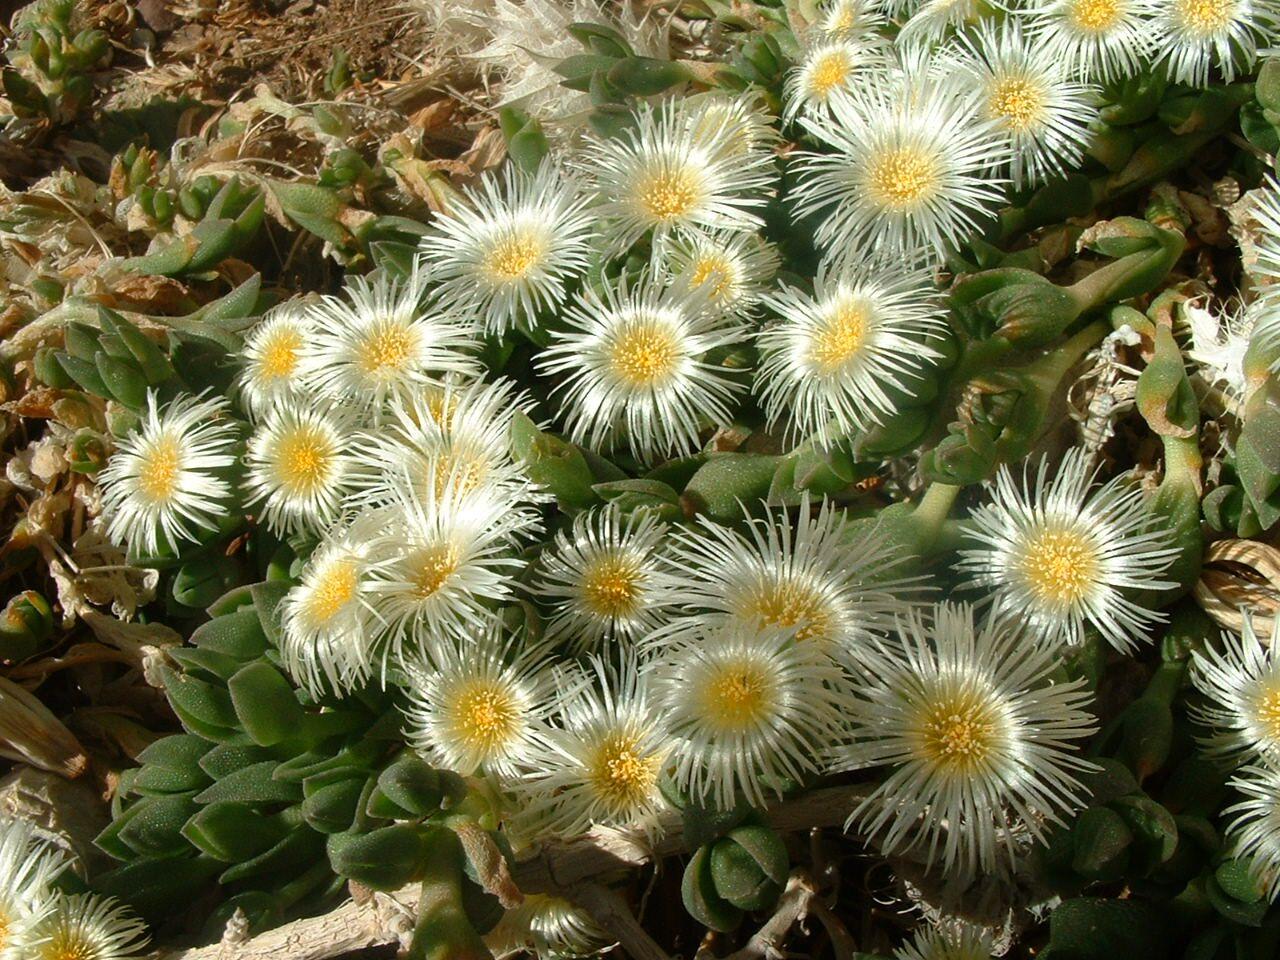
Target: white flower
{"type": "Point", "coordinates": [673, 172]}
{"type": "Point", "coordinates": [326, 618]}
{"type": "Point", "coordinates": [973, 732]}
{"type": "Point", "coordinates": [273, 351]}
{"type": "Point", "coordinates": [1218, 345]}
{"type": "Point", "coordinates": [1193, 36]}
{"type": "Point", "coordinates": [835, 589]}
{"type": "Point", "coordinates": [909, 172]}
{"type": "Point", "coordinates": [933, 20]}
{"type": "Point", "coordinates": [1254, 831]}
{"type": "Point", "coordinates": [1031, 95]}
{"type": "Point", "coordinates": [552, 926]}
{"type": "Point", "coordinates": [506, 252]}
{"type": "Point", "coordinates": [829, 66]}
{"type": "Point", "coordinates": [165, 482]}
{"type": "Point", "coordinates": [459, 433]}
{"type": "Point", "coordinates": [1103, 40]}
{"type": "Point", "coordinates": [1240, 681]}
{"type": "Point", "coordinates": [600, 761]}
{"type": "Point", "coordinates": [835, 362]}
{"type": "Point", "coordinates": [474, 703]}
{"type": "Point", "coordinates": [750, 710]}
{"type": "Point", "coordinates": [1061, 555]}
{"type": "Point", "coordinates": [633, 368]}
{"type": "Point", "coordinates": [445, 560]}
{"type": "Point", "coordinates": [1260, 244]}
{"type": "Point", "coordinates": [605, 579]}
{"type": "Point", "coordinates": [381, 341]}
{"type": "Point", "coordinates": [299, 466]}
{"type": "Point", "coordinates": [735, 268]}
{"type": "Point", "coordinates": [740, 118]}
{"type": "Point", "coordinates": [950, 941]}
{"type": "Point", "coordinates": [28, 865]}
{"type": "Point", "coordinates": [85, 926]}
{"type": "Point", "coordinates": [851, 19]}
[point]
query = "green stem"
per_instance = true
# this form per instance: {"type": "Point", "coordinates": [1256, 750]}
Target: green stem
{"type": "Point", "coordinates": [1049, 370]}
{"type": "Point", "coordinates": [443, 930]}
{"type": "Point", "coordinates": [934, 507]}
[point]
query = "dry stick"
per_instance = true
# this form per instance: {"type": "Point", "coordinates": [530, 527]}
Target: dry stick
{"type": "Point", "coordinates": [560, 867]}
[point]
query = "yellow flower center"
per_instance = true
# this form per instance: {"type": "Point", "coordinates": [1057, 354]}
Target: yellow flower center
{"type": "Point", "coordinates": [901, 178]}
{"type": "Point", "coordinates": [959, 732]}
{"type": "Point", "coordinates": [457, 470]}
{"type": "Point", "coordinates": [332, 590]}
{"type": "Point", "coordinates": [1269, 713]}
{"type": "Point", "coordinates": [514, 256]}
{"type": "Point", "coordinates": [738, 697]}
{"type": "Point", "coordinates": [1095, 16]}
{"type": "Point", "coordinates": [644, 353]}
{"type": "Point", "coordinates": [620, 773]}
{"type": "Point", "coordinates": [670, 194]}
{"type": "Point", "coordinates": [305, 459]}
{"type": "Point", "coordinates": [1059, 565]}
{"type": "Point", "coordinates": [387, 348]}
{"type": "Point", "coordinates": [1205, 17]}
{"type": "Point", "coordinates": [611, 586]}
{"type": "Point", "coordinates": [841, 337]}
{"type": "Point", "coordinates": [66, 946]}
{"type": "Point", "coordinates": [159, 469]}
{"type": "Point", "coordinates": [842, 19]}
{"type": "Point", "coordinates": [485, 716]}
{"type": "Point", "coordinates": [435, 565]}
{"type": "Point", "coordinates": [717, 270]}
{"type": "Point", "coordinates": [279, 355]}
{"type": "Point", "coordinates": [1018, 101]}
{"type": "Point", "coordinates": [828, 72]}
{"type": "Point", "coordinates": [787, 603]}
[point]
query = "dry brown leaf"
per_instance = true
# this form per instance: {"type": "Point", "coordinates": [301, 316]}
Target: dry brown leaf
{"type": "Point", "coordinates": [1241, 577]}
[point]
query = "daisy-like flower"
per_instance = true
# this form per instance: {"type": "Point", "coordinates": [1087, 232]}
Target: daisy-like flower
{"type": "Point", "coordinates": [1254, 831]}
{"type": "Point", "coordinates": [1218, 345]}
{"type": "Point", "coordinates": [85, 926]}
{"type": "Point", "coordinates": [1043, 111]}
{"type": "Point", "coordinates": [811, 575]}
{"type": "Point", "coordinates": [1240, 680]}
{"type": "Point", "coordinates": [552, 926]}
{"type": "Point", "coordinates": [326, 619]}
{"type": "Point", "coordinates": [165, 481]}
{"type": "Point", "coordinates": [741, 118]}
{"type": "Point", "coordinates": [951, 941]}
{"type": "Point", "coordinates": [28, 865]}
{"type": "Point", "coordinates": [748, 710]}
{"type": "Point", "coordinates": [273, 352]}
{"type": "Point", "coordinates": [1060, 555]}
{"type": "Point", "coordinates": [382, 340]}
{"type": "Point", "coordinates": [506, 253]}
{"type": "Point", "coordinates": [831, 66]}
{"type": "Point", "coordinates": [851, 19]}
{"type": "Point", "coordinates": [299, 466]}
{"type": "Point", "coordinates": [633, 367]}
{"type": "Point", "coordinates": [675, 172]}
{"type": "Point", "coordinates": [1102, 40]}
{"type": "Point", "coordinates": [1194, 36]}
{"type": "Point", "coordinates": [476, 704]}
{"type": "Point", "coordinates": [459, 434]}
{"type": "Point", "coordinates": [600, 760]}
{"type": "Point", "coordinates": [909, 172]}
{"type": "Point", "coordinates": [933, 20]}
{"type": "Point", "coordinates": [444, 561]}
{"type": "Point", "coordinates": [1260, 243]}
{"type": "Point", "coordinates": [734, 268]}
{"type": "Point", "coordinates": [605, 579]}
{"type": "Point", "coordinates": [973, 732]}
{"type": "Point", "coordinates": [834, 361]}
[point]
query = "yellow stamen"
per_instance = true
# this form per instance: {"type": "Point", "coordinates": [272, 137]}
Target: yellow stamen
{"type": "Point", "coordinates": [670, 194]}
{"type": "Point", "coordinates": [1059, 565]}
{"type": "Point", "coordinates": [1205, 17]}
{"type": "Point", "coordinates": [66, 946]}
{"type": "Point", "coordinates": [1018, 101]}
{"type": "Point", "coordinates": [644, 353]}
{"type": "Point", "coordinates": [1095, 16]}
{"type": "Point", "coordinates": [828, 72]}
{"type": "Point", "coordinates": [332, 591]}
{"type": "Point", "coordinates": [279, 355]}
{"type": "Point", "coordinates": [513, 257]}
{"type": "Point", "coordinates": [620, 773]}
{"type": "Point", "coordinates": [459, 471]}
{"type": "Point", "coordinates": [841, 337]}
{"type": "Point", "coordinates": [1269, 713]}
{"type": "Point", "coordinates": [959, 732]}
{"type": "Point", "coordinates": [387, 348]}
{"type": "Point", "coordinates": [305, 459]}
{"type": "Point", "coordinates": [717, 270]}
{"type": "Point", "coordinates": [738, 698]}
{"type": "Point", "coordinates": [787, 603]}
{"type": "Point", "coordinates": [611, 586]}
{"type": "Point", "coordinates": [435, 566]}
{"type": "Point", "coordinates": [159, 469]}
{"type": "Point", "coordinates": [901, 178]}
{"type": "Point", "coordinates": [484, 716]}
